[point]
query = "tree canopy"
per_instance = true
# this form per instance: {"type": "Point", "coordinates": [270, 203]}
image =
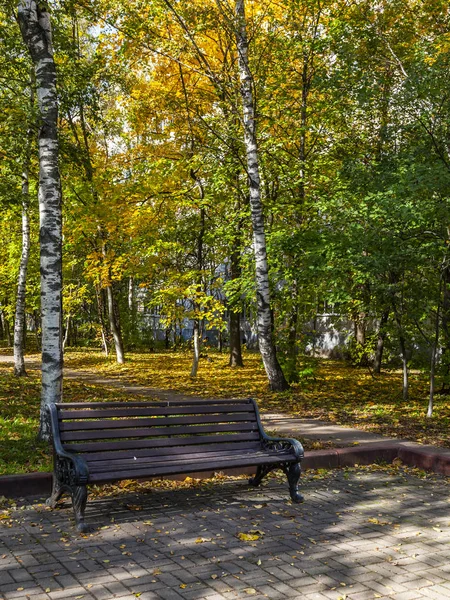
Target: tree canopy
{"type": "Point", "coordinates": [347, 108]}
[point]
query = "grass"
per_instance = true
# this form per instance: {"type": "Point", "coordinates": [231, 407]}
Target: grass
{"type": "Point", "coordinates": [335, 392]}
{"type": "Point", "coordinates": [20, 452]}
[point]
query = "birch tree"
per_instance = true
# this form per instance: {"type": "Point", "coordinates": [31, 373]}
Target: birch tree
{"type": "Point", "coordinates": [19, 322]}
{"type": "Point", "coordinates": [277, 381]}
{"type": "Point", "coordinates": [35, 25]}
{"type": "Point", "coordinates": [20, 318]}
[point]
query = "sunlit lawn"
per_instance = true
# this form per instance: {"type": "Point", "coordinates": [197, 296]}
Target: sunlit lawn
{"type": "Point", "coordinates": [19, 419]}
{"type": "Point", "coordinates": [335, 391]}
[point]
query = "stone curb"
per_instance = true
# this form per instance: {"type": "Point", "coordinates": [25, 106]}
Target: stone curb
{"type": "Point", "coordinates": [428, 458]}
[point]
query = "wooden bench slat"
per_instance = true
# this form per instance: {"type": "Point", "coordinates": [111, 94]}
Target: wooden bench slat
{"type": "Point", "coordinates": [153, 421]}
{"type": "Point", "coordinates": [173, 452]}
{"type": "Point", "coordinates": [170, 451]}
{"type": "Point", "coordinates": [159, 443]}
{"type": "Point", "coordinates": [216, 465]}
{"type": "Point", "coordinates": [179, 459]}
{"type": "Point", "coordinates": [143, 403]}
{"type": "Point", "coordinates": [149, 411]}
{"type": "Point", "coordinates": [71, 436]}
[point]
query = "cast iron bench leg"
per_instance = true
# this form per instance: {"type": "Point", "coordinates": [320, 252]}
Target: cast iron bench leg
{"type": "Point", "coordinates": [261, 472]}
{"type": "Point", "coordinates": [56, 494]}
{"type": "Point", "coordinates": [293, 472]}
{"type": "Point", "coordinates": [79, 499]}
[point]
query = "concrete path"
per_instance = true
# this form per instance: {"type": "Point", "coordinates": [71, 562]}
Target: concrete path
{"type": "Point", "coordinates": [312, 429]}
{"type": "Point", "coordinates": [360, 535]}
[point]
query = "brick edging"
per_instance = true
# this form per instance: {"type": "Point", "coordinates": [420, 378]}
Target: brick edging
{"type": "Point", "coordinates": [428, 458]}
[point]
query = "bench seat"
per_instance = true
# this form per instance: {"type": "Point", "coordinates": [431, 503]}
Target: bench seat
{"type": "Point", "coordinates": [105, 442]}
{"type": "Point", "coordinates": [157, 467]}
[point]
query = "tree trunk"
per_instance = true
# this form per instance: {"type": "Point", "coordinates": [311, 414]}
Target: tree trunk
{"type": "Point", "coordinates": [360, 330]}
{"type": "Point", "coordinates": [20, 322]}
{"type": "Point", "coordinates": [20, 325]}
{"type": "Point", "coordinates": [200, 239]}
{"type": "Point", "coordinates": [404, 368]}
{"type": "Point", "coordinates": [132, 311]}
{"type": "Point", "coordinates": [167, 338]}
{"type": "Point", "coordinates": [380, 343]}
{"type": "Point", "coordinates": [292, 350]}
{"type": "Point", "coordinates": [130, 294]}
{"type": "Point", "coordinates": [235, 340]}
{"type": "Point", "coordinates": [37, 326]}
{"type": "Point", "coordinates": [432, 381]}
{"type": "Point", "coordinates": [34, 21]}
{"type": "Point", "coordinates": [114, 326]}
{"type": "Point", "coordinates": [446, 330]}
{"type": "Point", "coordinates": [434, 349]}
{"type": "Point", "coordinates": [67, 332]}
{"type": "Point", "coordinates": [196, 356]}
{"type": "Point", "coordinates": [100, 312]}
{"type": "Point", "coordinates": [235, 315]}
{"type": "Point", "coordinates": [275, 375]}
{"type": "Point", "coordinates": [7, 328]}
{"type": "Point", "coordinates": [403, 352]}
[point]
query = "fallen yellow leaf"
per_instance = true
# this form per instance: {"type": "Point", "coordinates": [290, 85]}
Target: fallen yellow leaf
{"type": "Point", "coordinates": [248, 537]}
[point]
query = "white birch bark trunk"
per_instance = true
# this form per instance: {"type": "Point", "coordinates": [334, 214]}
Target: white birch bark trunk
{"type": "Point", "coordinates": [67, 332]}
{"type": "Point", "coordinates": [405, 388]}
{"type": "Point", "coordinates": [130, 294]}
{"type": "Point", "coordinates": [113, 325]}
{"type": "Point", "coordinates": [434, 353]}
{"type": "Point", "coordinates": [34, 21]}
{"type": "Point", "coordinates": [20, 322]}
{"type": "Point", "coordinates": [275, 375]}
{"type": "Point", "coordinates": [196, 355]}
{"type": "Point", "coordinates": [432, 382]}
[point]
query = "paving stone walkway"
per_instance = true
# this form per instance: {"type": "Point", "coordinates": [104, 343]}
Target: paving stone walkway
{"type": "Point", "coordinates": [361, 534]}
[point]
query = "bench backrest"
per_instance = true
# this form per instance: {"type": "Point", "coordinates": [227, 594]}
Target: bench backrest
{"type": "Point", "coordinates": [102, 430]}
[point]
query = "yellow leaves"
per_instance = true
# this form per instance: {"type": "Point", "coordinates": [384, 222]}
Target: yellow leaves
{"type": "Point", "coordinates": [202, 540]}
{"type": "Point", "coordinates": [250, 536]}
{"type": "Point", "coordinates": [376, 521]}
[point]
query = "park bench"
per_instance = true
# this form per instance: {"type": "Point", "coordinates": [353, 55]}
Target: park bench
{"type": "Point", "coordinates": [101, 442]}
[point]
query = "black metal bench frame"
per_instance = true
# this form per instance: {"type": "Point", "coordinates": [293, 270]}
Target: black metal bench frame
{"type": "Point", "coordinates": [224, 433]}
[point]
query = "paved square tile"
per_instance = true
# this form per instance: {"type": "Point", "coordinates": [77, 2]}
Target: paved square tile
{"type": "Point", "coordinates": [361, 534]}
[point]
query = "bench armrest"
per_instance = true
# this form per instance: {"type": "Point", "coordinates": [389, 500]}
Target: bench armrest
{"type": "Point", "coordinates": [278, 443]}
{"type": "Point", "coordinates": [68, 466]}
